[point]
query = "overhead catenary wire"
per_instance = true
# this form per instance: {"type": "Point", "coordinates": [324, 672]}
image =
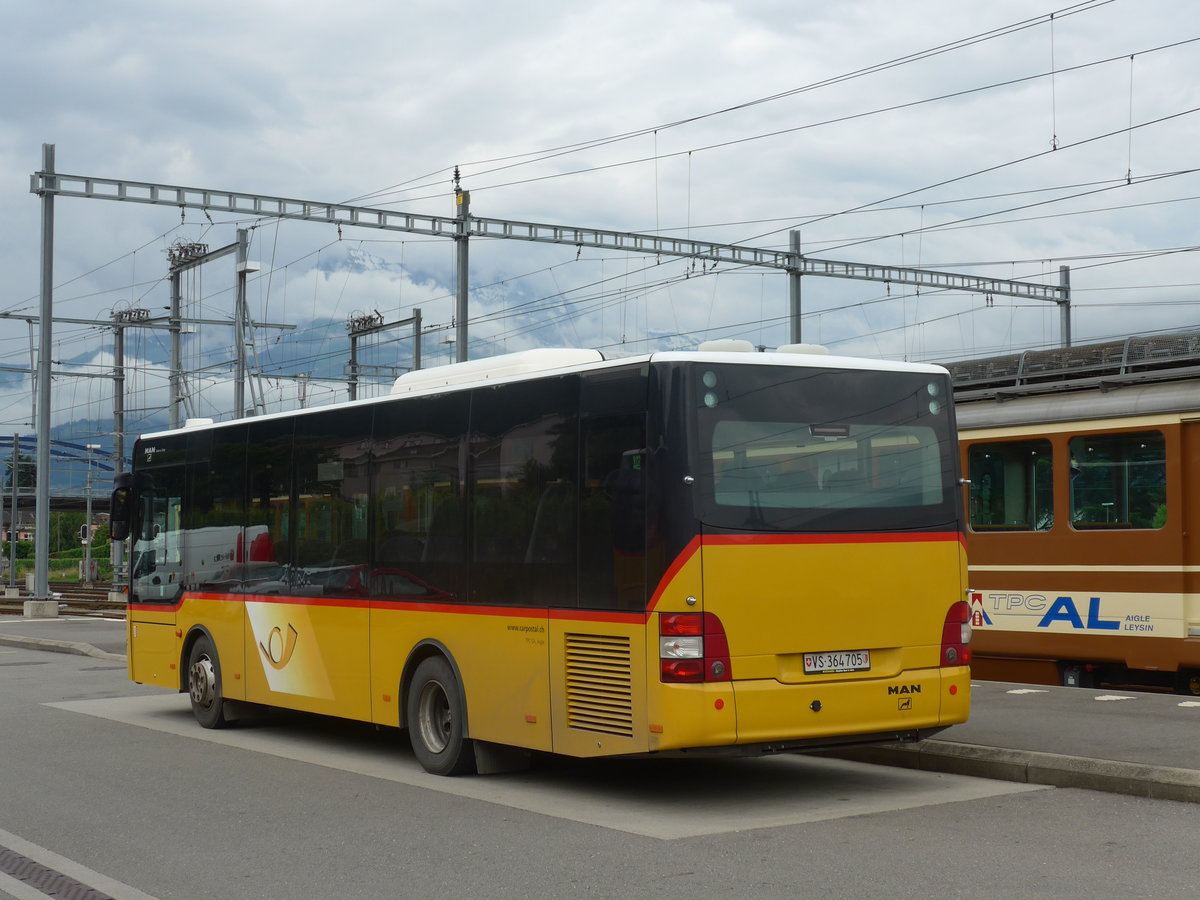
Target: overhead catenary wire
{"type": "Point", "coordinates": [937, 50]}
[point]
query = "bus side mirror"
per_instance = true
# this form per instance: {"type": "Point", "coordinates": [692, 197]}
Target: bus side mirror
{"type": "Point", "coordinates": [121, 507]}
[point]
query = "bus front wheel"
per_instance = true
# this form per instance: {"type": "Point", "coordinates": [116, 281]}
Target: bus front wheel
{"type": "Point", "coordinates": [436, 716]}
{"type": "Point", "coordinates": [204, 684]}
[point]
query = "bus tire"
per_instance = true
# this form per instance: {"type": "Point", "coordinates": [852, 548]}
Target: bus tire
{"type": "Point", "coordinates": [1187, 681]}
{"type": "Point", "coordinates": [204, 684]}
{"type": "Point", "coordinates": [436, 718]}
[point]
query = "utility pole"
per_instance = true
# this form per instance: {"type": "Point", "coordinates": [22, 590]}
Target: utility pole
{"type": "Point", "coordinates": [361, 324]}
{"type": "Point", "coordinates": [174, 364]}
{"type": "Point", "coordinates": [241, 319]}
{"type": "Point", "coordinates": [12, 522]}
{"type": "Point", "coordinates": [1064, 305]}
{"type": "Point", "coordinates": [121, 320]}
{"type": "Point", "coordinates": [41, 573]}
{"type": "Point", "coordinates": [794, 275]}
{"type": "Point", "coordinates": [185, 256]}
{"type": "Point", "coordinates": [462, 234]}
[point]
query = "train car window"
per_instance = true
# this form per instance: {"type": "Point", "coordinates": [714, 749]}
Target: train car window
{"type": "Point", "coordinates": [1119, 480]}
{"type": "Point", "coordinates": [1011, 486]}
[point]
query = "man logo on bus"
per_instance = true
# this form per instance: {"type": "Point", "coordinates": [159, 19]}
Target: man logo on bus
{"type": "Point", "coordinates": [277, 650]}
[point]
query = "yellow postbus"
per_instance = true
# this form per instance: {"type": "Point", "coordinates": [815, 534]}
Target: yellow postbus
{"type": "Point", "coordinates": [683, 552]}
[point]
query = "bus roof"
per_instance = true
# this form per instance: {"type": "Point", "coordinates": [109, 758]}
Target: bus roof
{"type": "Point", "coordinates": [526, 364]}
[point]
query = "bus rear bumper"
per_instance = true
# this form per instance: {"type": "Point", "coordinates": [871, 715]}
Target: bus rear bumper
{"type": "Point", "coordinates": [765, 715]}
{"type": "Point", "coordinates": [863, 710]}
{"type": "Point", "coordinates": [806, 745]}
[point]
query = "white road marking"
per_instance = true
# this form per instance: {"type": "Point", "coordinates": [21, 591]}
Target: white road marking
{"type": "Point", "coordinates": [1027, 691]}
{"type": "Point", "coordinates": [642, 797]}
{"type": "Point", "coordinates": [1189, 703]}
{"type": "Point", "coordinates": [61, 864]}
{"type": "Point", "coordinates": [19, 890]}
{"type": "Point", "coordinates": [1113, 697]}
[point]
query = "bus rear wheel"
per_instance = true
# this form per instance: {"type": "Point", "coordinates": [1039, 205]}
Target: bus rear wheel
{"type": "Point", "coordinates": [436, 718]}
{"type": "Point", "coordinates": [204, 684]}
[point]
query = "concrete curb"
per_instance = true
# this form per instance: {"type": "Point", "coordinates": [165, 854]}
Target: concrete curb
{"type": "Point", "coordinates": [1032, 767]}
{"type": "Point", "coordinates": [76, 647]}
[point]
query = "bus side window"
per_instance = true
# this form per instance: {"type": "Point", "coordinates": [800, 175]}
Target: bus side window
{"type": "Point", "coordinates": [418, 517]}
{"type": "Point", "coordinates": [612, 565]}
{"type": "Point", "coordinates": [524, 449]}
{"type": "Point", "coordinates": [612, 490]}
{"type": "Point", "coordinates": [332, 493]}
{"type": "Point", "coordinates": [268, 505]}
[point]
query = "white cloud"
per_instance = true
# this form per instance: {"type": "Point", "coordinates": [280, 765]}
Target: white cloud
{"type": "Point", "coordinates": [328, 103]}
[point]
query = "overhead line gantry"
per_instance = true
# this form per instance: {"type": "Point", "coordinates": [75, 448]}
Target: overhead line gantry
{"type": "Point", "coordinates": [461, 227]}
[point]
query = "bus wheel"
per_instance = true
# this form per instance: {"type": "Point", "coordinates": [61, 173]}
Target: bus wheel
{"type": "Point", "coordinates": [436, 715]}
{"type": "Point", "coordinates": [1187, 681]}
{"type": "Point", "coordinates": [204, 684]}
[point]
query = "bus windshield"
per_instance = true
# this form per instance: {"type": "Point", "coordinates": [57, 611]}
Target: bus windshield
{"type": "Point", "coordinates": [806, 449]}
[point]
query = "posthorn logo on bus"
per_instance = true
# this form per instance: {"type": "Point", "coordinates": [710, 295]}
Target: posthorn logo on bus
{"type": "Point", "coordinates": [278, 650]}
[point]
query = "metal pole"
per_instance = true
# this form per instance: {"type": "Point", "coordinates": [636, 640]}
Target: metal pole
{"type": "Point", "coordinates": [41, 576]}
{"type": "Point", "coordinates": [176, 374]}
{"type": "Point", "coordinates": [463, 199]}
{"type": "Point", "coordinates": [87, 546]}
{"type": "Point", "coordinates": [239, 326]}
{"type": "Point", "coordinates": [1064, 305]}
{"type": "Point", "coordinates": [353, 386]}
{"type": "Point", "coordinates": [12, 529]}
{"type": "Point", "coordinates": [794, 277]}
{"type": "Point", "coordinates": [116, 549]}
{"type": "Point", "coordinates": [416, 317]}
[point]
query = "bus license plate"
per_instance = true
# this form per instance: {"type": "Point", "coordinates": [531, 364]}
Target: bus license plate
{"type": "Point", "coordinates": [845, 661]}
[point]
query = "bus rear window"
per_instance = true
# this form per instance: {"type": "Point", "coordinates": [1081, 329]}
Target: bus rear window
{"type": "Point", "coordinates": [788, 465]}
{"type": "Point", "coordinates": [792, 447]}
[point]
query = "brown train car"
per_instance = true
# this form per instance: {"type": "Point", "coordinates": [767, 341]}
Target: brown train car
{"type": "Point", "coordinates": [1083, 512]}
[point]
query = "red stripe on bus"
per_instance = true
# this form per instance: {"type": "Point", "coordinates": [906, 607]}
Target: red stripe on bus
{"type": "Point", "coordinates": [571, 614]}
{"type": "Point", "coordinates": [601, 615]}
{"type": "Point", "coordinates": [146, 607]}
{"type": "Point", "coordinates": [672, 570]}
{"type": "Point", "coordinates": [882, 537]}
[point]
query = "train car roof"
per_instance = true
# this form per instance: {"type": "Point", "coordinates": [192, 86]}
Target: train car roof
{"type": "Point", "coordinates": [1164, 398]}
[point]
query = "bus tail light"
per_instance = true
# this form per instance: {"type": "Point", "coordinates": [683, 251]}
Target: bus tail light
{"type": "Point", "coordinates": [692, 647]}
{"type": "Point", "coordinates": [956, 635]}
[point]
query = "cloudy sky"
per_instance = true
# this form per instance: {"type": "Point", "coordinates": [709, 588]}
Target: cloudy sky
{"type": "Point", "coordinates": [1003, 139]}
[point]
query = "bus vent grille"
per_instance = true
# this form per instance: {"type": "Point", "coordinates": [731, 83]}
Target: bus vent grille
{"type": "Point", "coordinates": [599, 684]}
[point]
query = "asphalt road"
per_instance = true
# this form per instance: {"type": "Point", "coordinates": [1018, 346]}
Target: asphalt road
{"type": "Point", "coordinates": [111, 784]}
{"type": "Point", "coordinates": [1129, 742]}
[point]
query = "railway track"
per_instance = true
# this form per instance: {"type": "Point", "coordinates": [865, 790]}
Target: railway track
{"type": "Point", "coordinates": [73, 599]}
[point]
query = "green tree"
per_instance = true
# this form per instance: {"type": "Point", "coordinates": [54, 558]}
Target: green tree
{"type": "Point", "coordinates": [26, 472]}
{"type": "Point", "coordinates": [64, 530]}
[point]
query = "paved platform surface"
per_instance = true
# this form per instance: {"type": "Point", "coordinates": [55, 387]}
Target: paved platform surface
{"type": "Point", "coordinates": [1128, 742]}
